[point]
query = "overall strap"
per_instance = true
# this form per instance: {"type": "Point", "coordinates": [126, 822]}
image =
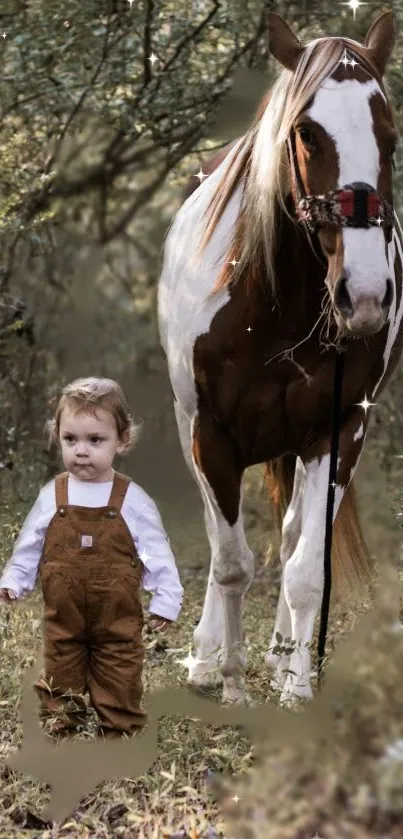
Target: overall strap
{"type": "Point", "coordinates": [119, 489]}
{"type": "Point", "coordinates": [61, 489]}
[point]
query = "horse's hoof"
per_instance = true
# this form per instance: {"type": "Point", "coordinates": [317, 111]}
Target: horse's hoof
{"type": "Point", "coordinates": [277, 682]}
{"type": "Point", "coordinates": [237, 699]}
{"type": "Point", "coordinates": [277, 668]}
{"type": "Point", "coordinates": [236, 695]}
{"type": "Point", "coordinates": [294, 693]}
{"type": "Point", "coordinates": [206, 678]}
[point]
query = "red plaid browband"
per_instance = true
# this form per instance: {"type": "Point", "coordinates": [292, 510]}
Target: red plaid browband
{"type": "Point", "coordinates": [346, 207]}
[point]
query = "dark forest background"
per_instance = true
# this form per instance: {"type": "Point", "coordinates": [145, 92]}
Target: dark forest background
{"type": "Point", "coordinates": [96, 144]}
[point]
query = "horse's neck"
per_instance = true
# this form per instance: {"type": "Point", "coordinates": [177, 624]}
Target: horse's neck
{"type": "Point", "coordinates": [300, 268]}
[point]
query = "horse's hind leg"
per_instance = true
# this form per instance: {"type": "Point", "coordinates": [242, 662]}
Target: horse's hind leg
{"type": "Point", "coordinates": [220, 479]}
{"type": "Point", "coordinates": [209, 634]}
{"type": "Point", "coordinates": [278, 663]}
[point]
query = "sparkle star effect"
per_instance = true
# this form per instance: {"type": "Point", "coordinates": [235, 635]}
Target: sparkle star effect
{"type": "Point", "coordinates": [354, 5]}
{"type": "Point", "coordinates": [346, 60]}
{"type": "Point", "coordinates": [190, 661]}
{"type": "Point", "coordinates": [152, 58]}
{"type": "Point", "coordinates": [233, 262]}
{"type": "Point", "coordinates": [365, 404]}
{"type": "Point", "coordinates": [200, 175]}
{"type": "Point", "coordinates": [130, 2]}
{"type": "Point", "coordinates": [249, 329]}
{"type": "Point", "coordinates": [236, 798]}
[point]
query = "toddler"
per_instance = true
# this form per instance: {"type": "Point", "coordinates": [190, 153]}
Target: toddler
{"type": "Point", "coordinates": [94, 536]}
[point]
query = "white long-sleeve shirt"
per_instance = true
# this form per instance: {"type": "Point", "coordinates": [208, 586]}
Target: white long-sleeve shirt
{"type": "Point", "coordinates": [160, 575]}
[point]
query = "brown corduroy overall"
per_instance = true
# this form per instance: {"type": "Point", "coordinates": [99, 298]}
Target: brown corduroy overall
{"type": "Point", "coordinates": [90, 574]}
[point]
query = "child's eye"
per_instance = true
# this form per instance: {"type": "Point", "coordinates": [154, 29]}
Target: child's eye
{"type": "Point", "coordinates": [96, 439]}
{"type": "Point", "coordinates": [68, 437]}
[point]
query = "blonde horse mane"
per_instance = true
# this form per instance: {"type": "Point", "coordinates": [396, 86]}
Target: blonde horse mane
{"type": "Point", "coordinates": [261, 162]}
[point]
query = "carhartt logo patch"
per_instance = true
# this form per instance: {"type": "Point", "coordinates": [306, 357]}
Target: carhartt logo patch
{"type": "Point", "coordinates": [86, 541]}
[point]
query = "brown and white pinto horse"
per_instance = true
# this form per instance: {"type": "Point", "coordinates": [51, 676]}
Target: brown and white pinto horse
{"type": "Point", "coordinates": [289, 245]}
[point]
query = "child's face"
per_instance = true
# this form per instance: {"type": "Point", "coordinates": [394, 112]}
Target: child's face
{"type": "Point", "coordinates": [89, 444]}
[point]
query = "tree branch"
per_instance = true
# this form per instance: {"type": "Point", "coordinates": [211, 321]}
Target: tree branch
{"type": "Point", "coordinates": [83, 96]}
{"type": "Point", "coordinates": [120, 142]}
{"type": "Point", "coordinates": [145, 194]}
{"type": "Point", "coordinates": [147, 42]}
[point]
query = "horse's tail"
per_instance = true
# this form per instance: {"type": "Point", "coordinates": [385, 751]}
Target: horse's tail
{"type": "Point", "coordinates": [351, 561]}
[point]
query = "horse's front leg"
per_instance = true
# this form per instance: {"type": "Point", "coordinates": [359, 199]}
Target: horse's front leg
{"type": "Point", "coordinates": [304, 570]}
{"type": "Point", "coordinates": [278, 663]}
{"type": "Point", "coordinates": [232, 561]}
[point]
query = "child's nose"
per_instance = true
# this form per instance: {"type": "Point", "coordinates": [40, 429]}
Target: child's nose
{"type": "Point", "coordinates": [81, 448]}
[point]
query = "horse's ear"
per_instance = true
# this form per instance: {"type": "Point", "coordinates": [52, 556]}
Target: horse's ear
{"type": "Point", "coordinates": [283, 44]}
{"type": "Point", "coordinates": [380, 40]}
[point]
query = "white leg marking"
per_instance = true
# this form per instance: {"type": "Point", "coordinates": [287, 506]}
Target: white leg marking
{"type": "Point", "coordinates": [291, 530]}
{"type": "Point", "coordinates": [231, 574]}
{"type": "Point", "coordinates": [209, 634]}
{"type": "Point", "coordinates": [304, 577]}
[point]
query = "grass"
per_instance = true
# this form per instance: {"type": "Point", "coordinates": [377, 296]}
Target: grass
{"type": "Point", "coordinates": [286, 791]}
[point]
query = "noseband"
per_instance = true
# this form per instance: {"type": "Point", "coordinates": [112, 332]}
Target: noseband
{"type": "Point", "coordinates": [354, 205]}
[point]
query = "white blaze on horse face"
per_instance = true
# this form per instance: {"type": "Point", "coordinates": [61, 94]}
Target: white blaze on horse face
{"type": "Point", "coordinates": [343, 110]}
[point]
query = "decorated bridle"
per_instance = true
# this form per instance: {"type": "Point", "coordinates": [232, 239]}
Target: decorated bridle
{"type": "Point", "coordinates": [353, 205]}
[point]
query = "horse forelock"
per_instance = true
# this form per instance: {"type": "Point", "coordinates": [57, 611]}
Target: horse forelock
{"type": "Point", "coordinates": [261, 162]}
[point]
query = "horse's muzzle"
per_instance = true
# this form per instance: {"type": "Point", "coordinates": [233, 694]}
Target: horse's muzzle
{"type": "Point", "coordinates": [367, 315]}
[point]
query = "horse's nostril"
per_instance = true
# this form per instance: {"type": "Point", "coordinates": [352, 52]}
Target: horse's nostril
{"type": "Point", "coordinates": [387, 300]}
{"type": "Point", "coordinates": [342, 298]}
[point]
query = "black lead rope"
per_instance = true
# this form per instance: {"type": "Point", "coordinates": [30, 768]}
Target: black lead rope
{"type": "Point", "coordinates": [334, 449]}
{"type": "Point", "coordinates": [336, 416]}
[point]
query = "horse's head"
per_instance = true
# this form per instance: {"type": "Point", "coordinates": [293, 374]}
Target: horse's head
{"type": "Point", "coordinates": [340, 149]}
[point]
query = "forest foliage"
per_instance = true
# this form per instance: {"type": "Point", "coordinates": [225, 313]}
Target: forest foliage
{"type": "Point", "coordinates": [97, 142]}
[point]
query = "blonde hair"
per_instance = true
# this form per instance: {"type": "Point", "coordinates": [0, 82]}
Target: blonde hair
{"type": "Point", "coordinates": [85, 396]}
{"type": "Point", "coordinates": [261, 160]}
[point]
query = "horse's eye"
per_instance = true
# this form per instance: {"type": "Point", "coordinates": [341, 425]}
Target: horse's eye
{"type": "Point", "coordinates": [307, 137]}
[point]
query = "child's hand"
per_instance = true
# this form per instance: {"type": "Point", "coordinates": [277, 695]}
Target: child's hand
{"type": "Point", "coordinates": [8, 595]}
{"type": "Point", "coordinates": [158, 623]}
